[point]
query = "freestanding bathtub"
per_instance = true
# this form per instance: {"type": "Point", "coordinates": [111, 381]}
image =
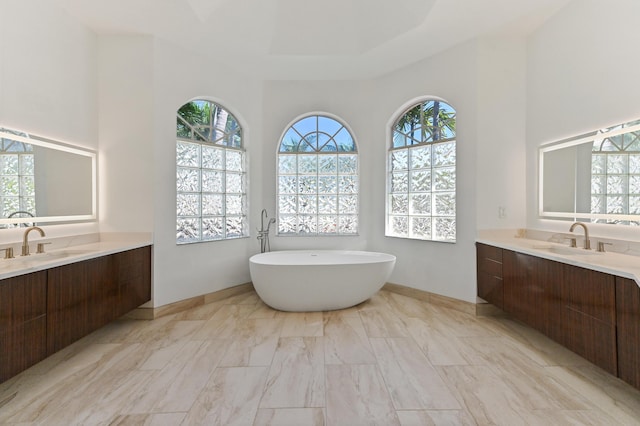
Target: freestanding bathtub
{"type": "Point", "coordinates": [318, 280]}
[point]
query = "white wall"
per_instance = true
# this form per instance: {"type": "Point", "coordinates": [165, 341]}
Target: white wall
{"type": "Point", "coordinates": [189, 270]}
{"type": "Point", "coordinates": [482, 80]}
{"type": "Point", "coordinates": [501, 153]}
{"type": "Point", "coordinates": [48, 82]}
{"type": "Point", "coordinates": [125, 158]}
{"type": "Point", "coordinates": [582, 74]}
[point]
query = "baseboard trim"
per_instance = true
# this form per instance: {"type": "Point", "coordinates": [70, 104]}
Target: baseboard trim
{"type": "Point", "coordinates": [193, 302]}
{"type": "Point", "coordinates": [436, 299]}
{"type": "Point", "coordinates": [477, 309]}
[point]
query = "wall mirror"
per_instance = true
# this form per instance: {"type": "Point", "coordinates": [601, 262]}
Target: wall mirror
{"type": "Point", "coordinates": [44, 181]}
{"type": "Point", "coordinates": [592, 177]}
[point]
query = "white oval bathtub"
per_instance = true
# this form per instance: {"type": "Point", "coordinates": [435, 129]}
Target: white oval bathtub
{"type": "Point", "coordinates": [318, 280]}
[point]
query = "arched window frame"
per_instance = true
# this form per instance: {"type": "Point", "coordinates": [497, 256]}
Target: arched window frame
{"type": "Point", "coordinates": [317, 179]}
{"type": "Point", "coordinates": [421, 172]}
{"type": "Point", "coordinates": [211, 181]}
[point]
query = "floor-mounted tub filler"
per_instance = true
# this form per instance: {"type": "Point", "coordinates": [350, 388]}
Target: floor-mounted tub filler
{"type": "Point", "coordinates": [318, 280]}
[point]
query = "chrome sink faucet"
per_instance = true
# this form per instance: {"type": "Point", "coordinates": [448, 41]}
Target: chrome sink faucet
{"type": "Point", "coordinates": [587, 242]}
{"type": "Point", "coordinates": [25, 239]}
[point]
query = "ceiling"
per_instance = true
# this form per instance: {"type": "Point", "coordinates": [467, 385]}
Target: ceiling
{"type": "Point", "coordinates": [311, 40]}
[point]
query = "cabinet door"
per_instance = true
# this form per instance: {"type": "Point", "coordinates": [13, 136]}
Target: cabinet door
{"type": "Point", "coordinates": [589, 316]}
{"type": "Point", "coordinates": [22, 322]}
{"type": "Point", "coordinates": [81, 298]}
{"type": "Point", "coordinates": [489, 263]}
{"type": "Point", "coordinates": [628, 319]}
{"type": "Point", "coordinates": [532, 291]}
{"type": "Point", "coordinates": [134, 278]}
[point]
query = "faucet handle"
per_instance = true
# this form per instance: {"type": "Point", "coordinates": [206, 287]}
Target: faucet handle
{"type": "Point", "coordinates": [572, 241]}
{"type": "Point", "coordinates": [8, 253]}
{"type": "Point", "coordinates": [601, 245]}
{"type": "Point", "coordinates": [40, 247]}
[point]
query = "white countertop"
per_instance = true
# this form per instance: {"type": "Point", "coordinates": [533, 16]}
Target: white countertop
{"type": "Point", "coordinates": [63, 254]}
{"type": "Point", "coordinates": [618, 264]}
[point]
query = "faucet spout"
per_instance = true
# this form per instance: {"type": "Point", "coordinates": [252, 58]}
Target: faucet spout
{"type": "Point", "coordinates": [587, 242]}
{"type": "Point", "coordinates": [25, 238]}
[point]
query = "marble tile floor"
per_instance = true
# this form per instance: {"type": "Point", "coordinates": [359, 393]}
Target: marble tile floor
{"type": "Point", "coordinates": [392, 360]}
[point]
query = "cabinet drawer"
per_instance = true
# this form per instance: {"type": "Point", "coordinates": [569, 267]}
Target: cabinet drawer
{"type": "Point", "coordinates": [490, 267]}
{"type": "Point", "coordinates": [489, 260]}
{"type": "Point", "coordinates": [489, 252]}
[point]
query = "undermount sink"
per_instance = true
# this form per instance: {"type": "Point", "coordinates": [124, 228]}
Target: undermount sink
{"type": "Point", "coordinates": [568, 251]}
{"type": "Point", "coordinates": [39, 258]}
{"type": "Point", "coordinates": [60, 254]}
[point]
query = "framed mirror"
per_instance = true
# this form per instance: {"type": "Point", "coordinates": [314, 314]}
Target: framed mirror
{"type": "Point", "coordinates": [593, 177]}
{"type": "Point", "coordinates": [44, 181]}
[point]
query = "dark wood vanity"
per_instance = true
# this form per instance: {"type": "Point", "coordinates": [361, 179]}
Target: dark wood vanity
{"type": "Point", "coordinates": [45, 311]}
{"type": "Point", "coordinates": [594, 314]}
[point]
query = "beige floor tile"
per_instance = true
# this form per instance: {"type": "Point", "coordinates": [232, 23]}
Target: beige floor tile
{"type": "Point", "coordinates": [300, 324]}
{"type": "Point", "coordinates": [248, 298]}
{"type": "Point", "coordinates": [253, 327]}
{"type": "Point", "coordinates": [348, 312]}
{"type": "Point", "coordinates": [538, 347]}
{"type": "Point", "coordinates": [531, 382]}
{"type": "Point", "coordinates": [410, 307]}
{"type": "Point", "coordinates": [224, 322]}
{"type": "Point", "coordinates": [290, 417]}
{"type": "Point", "coordinates": [412, 382]}
{"type": "Point", "coordinates": [159, 419]}
{"type": "Point", "coordinates": [603, 391]}
{"type": "Point", "coordinates": [356, 395]}
{"type": "Point", "coordinates": [203, 312]}
{"type": "Point", "coordinates": [570, 417]}
{"type": "Point", "coordinates": [105, 395]}
{"type": "Point", "coordinates": [460, 324]}
{"type": "Point", "coordinates": [346, 341]}
{"type": "Point", "coordinates": [262, 310]}
{"type": "Point", "coordinates": [435, 418]}
{"type": "Point", "coordinates": [231, 397]}
{"type": "Point", "coordinates": [439, 347]}
{"type": "Point", "coordinates": [250, 351]}
{"type": "Point", "coordinates": [181, 380]}
{"type": "Point", "coordinates": [487, 398]}
{"type": "Point", "coordinates": [383, 323]}
{"type": "Point", "coordinates": [296, 376]}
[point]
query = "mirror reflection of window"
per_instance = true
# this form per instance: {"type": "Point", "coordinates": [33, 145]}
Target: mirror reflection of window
{"type": "Point", "coordinates": [615, 172]}
{"type": "Point", "coordinates": [17, 184]}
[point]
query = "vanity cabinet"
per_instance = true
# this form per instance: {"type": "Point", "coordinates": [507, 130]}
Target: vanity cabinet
{"type": "Point", "coordinates": [596, 315]}
{"type": "Point", "coordinates": [45, 311]}
{"type": "Point", "coordinates": [22, 322]}
{"type": "Point", "coordinates": [489, 265]}
{"type": "Point", "coordinates": [628, 319]}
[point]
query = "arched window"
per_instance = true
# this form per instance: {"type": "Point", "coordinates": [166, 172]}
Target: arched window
{"type": "Point", "coordinates": [211, 202]}
{"type": "Point", "coordinates": [317, 178]}
{"type": "Point", "coordinates": [422, 173]}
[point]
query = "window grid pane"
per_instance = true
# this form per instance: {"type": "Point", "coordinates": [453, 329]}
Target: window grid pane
{"type": "Point", "coordinates": [422, 174]}
{"type": "Point", "coordinates": [211, 179]}
{"type": "Point", "coordinates": [317, 179]}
